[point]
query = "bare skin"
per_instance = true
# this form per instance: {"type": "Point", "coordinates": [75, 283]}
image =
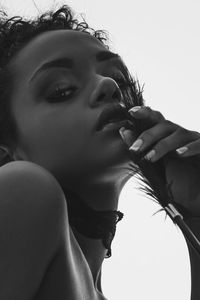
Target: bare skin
{"type": "Point", "coordinates": [163, 138]}
{"type": "Point", "coordinates": [61, 136]}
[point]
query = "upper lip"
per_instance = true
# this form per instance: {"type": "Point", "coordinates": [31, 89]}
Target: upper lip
{"type": "Point", "coordinates": [116, 112]}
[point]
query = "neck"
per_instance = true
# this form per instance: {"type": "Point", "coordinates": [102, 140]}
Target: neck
{"type": "Point", "coordinates": [94, 252]}
{"type": "Point", "coordinates": [100, 196]}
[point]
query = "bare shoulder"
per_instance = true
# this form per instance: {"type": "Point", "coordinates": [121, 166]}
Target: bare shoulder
{"type": "Point", "coordinates": [21, 172]}
{"type": "Point", "coordinates": [33, 212]}
{"type": "Point", "coordinates": [28, 182]}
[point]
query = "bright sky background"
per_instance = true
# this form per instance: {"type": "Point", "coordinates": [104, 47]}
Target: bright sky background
{"type": "Point", "coordinates": [159, 42]}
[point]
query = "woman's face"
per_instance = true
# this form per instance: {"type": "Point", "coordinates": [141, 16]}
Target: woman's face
{"type": "Point", "coordinates": [58, 130]}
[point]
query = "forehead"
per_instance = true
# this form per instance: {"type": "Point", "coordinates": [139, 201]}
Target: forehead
{"type": "Point", "coordinates": [48, 45]}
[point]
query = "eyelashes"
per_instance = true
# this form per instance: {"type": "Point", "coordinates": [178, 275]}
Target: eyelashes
{"type": "Point", "coordinates": [66, 93]}
{"type": "Point", "coordinates": [62, 94]}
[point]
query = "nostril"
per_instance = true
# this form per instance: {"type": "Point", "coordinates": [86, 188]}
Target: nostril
{"type": "Point", "coordinates": [114, 94]}
{"type": "Point", "coordinates": [102, 96]}
{"type": "Point", "coordinates": [118, 94]}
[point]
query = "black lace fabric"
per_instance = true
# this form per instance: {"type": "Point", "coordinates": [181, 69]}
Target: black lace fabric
{"type": "Point", "coordinates": [92, 223]}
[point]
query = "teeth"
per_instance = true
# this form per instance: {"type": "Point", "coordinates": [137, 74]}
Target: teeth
{"type": "Point", "coordinates": [108, 125]}
{"type": "Point", "coordinates": [114, 120]}
{"type": "Point", "coordinates": [129, 124]}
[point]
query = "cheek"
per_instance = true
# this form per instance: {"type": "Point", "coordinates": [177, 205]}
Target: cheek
{"type": "Point", "coordinates": [54, 142]}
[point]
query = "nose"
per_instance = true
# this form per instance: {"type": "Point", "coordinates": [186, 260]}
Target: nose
{"type": "Point", "coordinates": [106, 91]}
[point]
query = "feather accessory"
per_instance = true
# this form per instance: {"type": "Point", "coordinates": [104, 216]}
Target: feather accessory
{"type": "Point", "coordinates": [151, 176]}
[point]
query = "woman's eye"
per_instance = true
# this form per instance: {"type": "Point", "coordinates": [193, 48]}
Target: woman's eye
{"type": "Point", "coordinates": [61, 94]}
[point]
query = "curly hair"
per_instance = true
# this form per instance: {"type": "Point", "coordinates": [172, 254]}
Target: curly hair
{"type": "Point", "coordinates": [15, 33]}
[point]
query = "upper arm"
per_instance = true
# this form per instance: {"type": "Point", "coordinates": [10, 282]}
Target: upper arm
{"type": "Point", "coordinates": [33, 211]}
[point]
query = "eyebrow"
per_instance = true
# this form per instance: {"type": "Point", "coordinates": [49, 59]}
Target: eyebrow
{"type": "Point", "coordinates": [66, 62]}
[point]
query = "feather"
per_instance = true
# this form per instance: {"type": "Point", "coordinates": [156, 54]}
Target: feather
{"type": "Point", "coordinates": [152, 181]}
{"type": "Point", "coordinates": [152, 176]}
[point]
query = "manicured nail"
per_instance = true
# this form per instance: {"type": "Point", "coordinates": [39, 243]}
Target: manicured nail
{"type": "Point", "coordinates": [136, 146]}
{"type": "Point", "coordinates": [181, 150]}
{"type": "Point", "coordinates": [121, 132]}
{"type": "Point", "coordinates": [126, 135]}
{"type": "Point", "coordinates": [150, 154]}
{"type": "Point", "coordinates": [134, 109]}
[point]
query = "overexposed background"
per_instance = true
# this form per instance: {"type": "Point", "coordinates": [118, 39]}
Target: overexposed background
{"type": "Point", "coordinates": [159, 42]}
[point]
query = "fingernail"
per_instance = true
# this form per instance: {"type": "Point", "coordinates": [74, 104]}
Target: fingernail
{"type": "Point", "coordinates": [121, 131]}
{"type": "Point", "coordinates": [150, 154]}
{"type": "Point", "coordinates": [136, 146]}
{"type": "Point", "coordinates": [134, 109]}
{"type": "Point", "coordinates": [181, 150]}
{"type": "Point", "coordinates": [126, 135]}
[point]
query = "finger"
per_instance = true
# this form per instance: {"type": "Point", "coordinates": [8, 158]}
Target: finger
{"type": "Point", "coordinates": [190, 149]}
{"type": "Point", "coordinates": [145, 112]}
{"type": "Point", "coordinates": [127, 136]}
{"type": "Point", "coordinates": [148, 137]}
{"type": "Point", "coordinates": [177, 139]}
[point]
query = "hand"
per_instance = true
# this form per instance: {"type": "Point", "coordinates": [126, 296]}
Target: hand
{"type": "Point", "coordinates": [161, 140]}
